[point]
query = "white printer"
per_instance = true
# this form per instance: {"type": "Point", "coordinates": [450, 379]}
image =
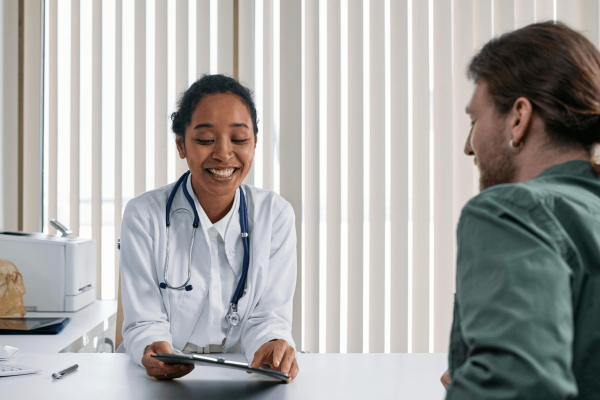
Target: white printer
{"type": "Point", "coordinates": [59, 273]}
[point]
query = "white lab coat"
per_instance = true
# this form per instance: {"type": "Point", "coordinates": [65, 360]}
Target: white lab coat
{"type": "Point", "coordinates": [152, 314]}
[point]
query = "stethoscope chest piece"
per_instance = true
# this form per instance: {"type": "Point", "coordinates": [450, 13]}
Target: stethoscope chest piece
{"type": "Point", "coordinates": [233, 317]}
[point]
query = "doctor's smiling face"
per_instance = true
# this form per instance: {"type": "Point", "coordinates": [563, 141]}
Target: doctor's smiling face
{"type": "Point", "coordinates": [219, 146]}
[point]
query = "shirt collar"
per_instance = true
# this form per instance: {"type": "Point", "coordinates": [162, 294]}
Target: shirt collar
{"type": "Point", "coordinates": [573, 167]}
{"type": "Point", "coordinates": [221, 225]}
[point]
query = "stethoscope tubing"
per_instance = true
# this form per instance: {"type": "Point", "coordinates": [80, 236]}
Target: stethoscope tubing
{"type": "Point", "coordinates": [182, 181]}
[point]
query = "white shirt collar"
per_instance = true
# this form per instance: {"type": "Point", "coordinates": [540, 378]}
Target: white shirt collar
{"type": "Point", "coordinates": [221, 225]}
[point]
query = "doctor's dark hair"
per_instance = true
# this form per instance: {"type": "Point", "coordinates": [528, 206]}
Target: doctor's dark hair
{"type": "Point", "coordinates": [207, 85]}
{"type": "Point", "coordinates": [556, 69]}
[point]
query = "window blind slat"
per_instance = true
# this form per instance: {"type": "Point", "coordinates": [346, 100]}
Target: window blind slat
{"type": "Point", "coordinates": [267, 92]}
{"type": "Point", "coordinates": [311, 170]}
{"type": "Point", "coordinates": [74, 167]}
{"type": "Point", "coordinates": [246, 53]}
{"type": "Point", "coordinates": [524, 13]}
{"type": "Point", "coordinates": [333, 176]}
{"type": "Point", "coordinates": [355, 176]}
{"type": "Point", "coordinates": [161, 113]}
{"type": "Point", "coordinates": [291, 142]}
{"type": "Point", "coordinates": [593, 14]}
{"type": "Point", "coordinates": [443, 173]}
{"type": "Point", "coordinates": [32, 121]}
{"type": "Point", "coordinates": [421, 177]}
{"type": "Point", "coordinates": [504, 17]}
{"type": "Point", "coordinates": [181, 65]}
{"type": "Point", "coordinates": [399, 176]}
{"type": "Point", "coordinates": [140, 98]}
{"type": "Point", "coordinates": [482, 23]}
{"type": "Point", "coordinates": [97, 138]}
{"type": "Point", "coordinates": [544, 10]}
{"type": "Point", "coordinates": [53, 117]}
{"type": "Point", "coordinates": [377, 206]}
{"type": "Point", "coordinates": [202, 37]}
{"type": "Point", "coordinates": [225, 37]}
{"type": "Point", "coordinates": [463, 178]}
{"type": "Point", "coordinates": [118, 132]}
{"type": "Point", "coordinates": [572, 13]}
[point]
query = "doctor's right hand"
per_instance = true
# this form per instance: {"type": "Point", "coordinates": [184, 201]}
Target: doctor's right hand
{"type": "Point", "coordinates": [159, 369]}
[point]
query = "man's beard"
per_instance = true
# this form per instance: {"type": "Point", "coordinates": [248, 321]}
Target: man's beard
{"type": "Point", "coordinates": [504, 171]}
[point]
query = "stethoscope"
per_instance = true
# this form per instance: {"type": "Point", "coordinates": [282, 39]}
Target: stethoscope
{"type": "Point", "coordinates": [233, 317]}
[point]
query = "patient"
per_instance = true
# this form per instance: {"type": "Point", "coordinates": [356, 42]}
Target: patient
{"type": "Point", "coordinates": [527, 307]}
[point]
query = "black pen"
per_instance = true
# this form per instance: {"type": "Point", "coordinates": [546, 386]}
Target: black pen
{"type": "Point", "coordinates": [60, 374]}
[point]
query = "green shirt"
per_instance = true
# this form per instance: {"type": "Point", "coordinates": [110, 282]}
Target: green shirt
{"type": "Point", "coordinates": [527, 305]}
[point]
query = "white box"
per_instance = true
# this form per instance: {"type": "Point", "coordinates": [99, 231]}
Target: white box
{"type": "Point", "coordinates": [59, 273]}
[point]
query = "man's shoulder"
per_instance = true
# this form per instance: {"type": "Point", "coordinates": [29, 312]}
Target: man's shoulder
{"type": "Point", "coordinates": [523, 195]}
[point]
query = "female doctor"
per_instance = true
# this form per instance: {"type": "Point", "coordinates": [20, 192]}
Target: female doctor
{"type": "Point", "coordinates": [208, 264]}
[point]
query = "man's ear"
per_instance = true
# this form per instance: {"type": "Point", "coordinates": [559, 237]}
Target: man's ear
{"type": "Point", "coordinates": [180, 146]}
{"type": "Point", "coordinates": [522, 116]}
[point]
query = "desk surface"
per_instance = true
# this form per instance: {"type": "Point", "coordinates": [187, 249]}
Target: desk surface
{"type": "Point", "coordinates": [81, 321]}
{"type": "Point", "coordinates": [322, 376]}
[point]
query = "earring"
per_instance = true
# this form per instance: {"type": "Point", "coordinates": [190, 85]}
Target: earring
{"type": "Point", "coordinates": [512, 146]}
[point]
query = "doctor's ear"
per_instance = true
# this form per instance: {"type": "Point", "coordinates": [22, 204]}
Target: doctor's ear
{"type": "Point", "coordinates": [180, 146]}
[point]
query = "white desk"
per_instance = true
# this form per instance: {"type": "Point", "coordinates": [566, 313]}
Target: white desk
{"type": "Point", "coordinates": [87, 323]}
{"type": "Point", "coordinates": [322, 376]}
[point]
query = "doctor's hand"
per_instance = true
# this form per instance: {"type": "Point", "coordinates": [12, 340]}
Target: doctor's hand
{"type": "Point", "coordinates": [279, 355]}
{"type": "Point", "coordinates": [159, 369]}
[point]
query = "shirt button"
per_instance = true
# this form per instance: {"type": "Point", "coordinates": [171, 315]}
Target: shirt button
{"type": "Point", "coordinates": [215, 288]}
{"type": "Point", "coordinates": [231, 252]}
{"type": "Point", "coordinates": [212, 251]}
{"type": "Point", "coordinates": [215, 321]}
{"type": "Point", "coordinates": [213, 232]}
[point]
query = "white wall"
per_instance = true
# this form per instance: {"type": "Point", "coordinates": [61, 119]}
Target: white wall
{"type": "Point", "coordinates": [9, 63]}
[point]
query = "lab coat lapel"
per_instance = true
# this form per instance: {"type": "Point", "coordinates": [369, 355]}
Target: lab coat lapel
{"type": "Point", "coordinates": [255, 265]}
{"type": "Point", "coordinates": [233, 234]}
{"type": "Point", "coordinates": [186, 306]}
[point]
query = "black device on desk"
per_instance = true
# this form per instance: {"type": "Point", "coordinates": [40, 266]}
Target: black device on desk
{"type": "Point", "coordinates": [218, 362]}
{"type": "Point", "coordinates": [32, 326]}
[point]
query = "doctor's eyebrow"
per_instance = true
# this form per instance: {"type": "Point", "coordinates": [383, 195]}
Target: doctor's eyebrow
{"type": "Point", "coordinates": [200, 126]}
{"type": "Point", "coordinates": [235, 125]}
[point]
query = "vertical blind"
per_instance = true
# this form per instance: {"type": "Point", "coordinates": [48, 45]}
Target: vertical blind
{"type": "Point", "coordinates": [361, 128]}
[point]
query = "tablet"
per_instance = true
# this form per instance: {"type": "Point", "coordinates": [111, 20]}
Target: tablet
{"type": "Point", "coordinates": [35, 325]}
{"type": "Point", "coordinates": [219, 363]}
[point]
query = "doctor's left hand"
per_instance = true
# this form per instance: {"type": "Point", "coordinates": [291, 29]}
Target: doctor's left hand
{"type": "Point", "coordinates": [279, 355]}
{"type": "Point", "coordinates": [159, 369]}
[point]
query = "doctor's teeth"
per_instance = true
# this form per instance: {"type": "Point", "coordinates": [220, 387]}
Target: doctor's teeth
{"type": "Point", "coordinates": [221, 173]}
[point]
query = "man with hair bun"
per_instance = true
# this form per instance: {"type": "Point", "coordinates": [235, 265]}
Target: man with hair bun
{"type": "Point", "coordinates": [527, 306]}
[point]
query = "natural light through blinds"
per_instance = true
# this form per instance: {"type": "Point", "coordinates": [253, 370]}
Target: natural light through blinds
{"type": "Point", "coordinates": [361, 128]}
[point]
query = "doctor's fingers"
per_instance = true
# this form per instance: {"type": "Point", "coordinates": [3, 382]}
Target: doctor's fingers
{"type": "Point", "coordinates": [287, 360]}
{"type": "Point", "coordinates": [280, 348]}
{"type": "Point", "coordinates": [170, 371]}
{"type": "Point", "coordinates": [293, 371]}
{"type": "Point", "coordinates": [260, 358]}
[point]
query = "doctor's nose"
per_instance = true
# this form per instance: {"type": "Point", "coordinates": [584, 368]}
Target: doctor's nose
{"type": "Point", "coordinates": [223, 150]}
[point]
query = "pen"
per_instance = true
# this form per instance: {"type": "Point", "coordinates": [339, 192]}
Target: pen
{"type": "Point", "coordinates": [60, 374]}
